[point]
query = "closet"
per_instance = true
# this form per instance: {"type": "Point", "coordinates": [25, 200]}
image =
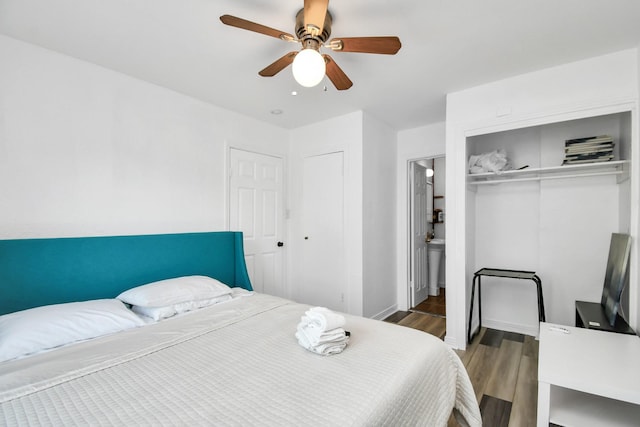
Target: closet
{"type": "Point", "coordinates": [547, 217]}
{"type": "Point", "coordinates": [552, 219]}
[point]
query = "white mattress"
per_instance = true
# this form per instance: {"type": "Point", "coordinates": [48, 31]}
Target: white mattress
{"type": "Point", "coordinates": [239, 363]}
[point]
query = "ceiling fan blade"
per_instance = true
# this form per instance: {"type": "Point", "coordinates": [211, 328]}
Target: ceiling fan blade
{"type": "Point", "coordinates": [336, 75]}
{"type": "Point", "coordinates": [384, 45]}
{"type": "Point", "coordinates": [257, 28]}
{"type": "Point", "coordinates": [278, 65]}
{"type": "Point", "coordinates": [315, 12]}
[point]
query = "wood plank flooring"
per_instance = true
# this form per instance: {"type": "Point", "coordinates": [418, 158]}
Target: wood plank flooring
{"type": "Point", "coordinates": [503, 368]}
{"type": "Point", "coordinates": [434, 304]}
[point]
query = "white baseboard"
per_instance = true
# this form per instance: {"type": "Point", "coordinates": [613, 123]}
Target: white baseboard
{"type": "Point", "coordinates": [510, 327]}
{"type": "Point", "coordinates": [385, 313]}
{"type": "Point", "coordinates": [451, 342]}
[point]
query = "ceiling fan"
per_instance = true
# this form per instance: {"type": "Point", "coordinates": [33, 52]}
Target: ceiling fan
{"type": "Point", "coordinates": [313, 29]}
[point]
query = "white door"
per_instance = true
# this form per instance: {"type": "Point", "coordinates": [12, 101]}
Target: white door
{"type": "Point", "coordinates": [419, 227]}
{"type": "Point", "coordinates": [256, 209]}
{"type": "Point", "coordinates": [323, 253]}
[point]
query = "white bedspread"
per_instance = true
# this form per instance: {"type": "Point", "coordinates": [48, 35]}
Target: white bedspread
{"type": "Point", "coordinates": [236, 364]}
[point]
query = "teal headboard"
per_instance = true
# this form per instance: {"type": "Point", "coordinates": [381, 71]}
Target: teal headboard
{"type": "Point", "coordinates": [35, 272]}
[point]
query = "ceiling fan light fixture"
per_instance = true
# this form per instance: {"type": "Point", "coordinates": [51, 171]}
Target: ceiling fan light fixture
{"type": "Point", "coordinates": [308, 67]}
{"type": "Point", "coordinates": [313, 30]}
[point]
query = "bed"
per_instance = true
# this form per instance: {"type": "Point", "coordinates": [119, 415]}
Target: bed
{"type": "Point", "coordinates": [233, 363]}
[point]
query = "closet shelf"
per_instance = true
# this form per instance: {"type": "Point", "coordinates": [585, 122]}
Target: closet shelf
{"type": "Point", "coordinates": [618, 167]}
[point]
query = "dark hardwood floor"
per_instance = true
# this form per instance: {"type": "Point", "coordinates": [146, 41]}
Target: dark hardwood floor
{"type": "Point", "coordinates": [435, 305]}
{"type": "Point", "coordinates": [503, 368]}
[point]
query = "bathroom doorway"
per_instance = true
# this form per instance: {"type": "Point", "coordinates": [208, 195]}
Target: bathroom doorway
{"type": "Point", "coordinates": [427, 285]}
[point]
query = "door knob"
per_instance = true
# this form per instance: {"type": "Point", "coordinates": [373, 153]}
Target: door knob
{"type": "Point", "coordinates": [280, 244]}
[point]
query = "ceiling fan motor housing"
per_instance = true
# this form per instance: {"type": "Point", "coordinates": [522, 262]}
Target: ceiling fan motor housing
{"type": "Point", "coordinates": [309, 36]}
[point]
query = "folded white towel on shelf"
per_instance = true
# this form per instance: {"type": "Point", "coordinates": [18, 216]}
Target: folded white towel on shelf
{"type": "Point", "coordinates": [320, 331]}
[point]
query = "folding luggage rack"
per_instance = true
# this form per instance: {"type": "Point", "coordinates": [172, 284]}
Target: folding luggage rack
{"type": "Point", "coordinates": [496, 272]}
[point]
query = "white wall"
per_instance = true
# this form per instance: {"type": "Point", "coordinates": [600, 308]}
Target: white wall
{"type": "Point", "coordinates": [602, 85]}
{"type": "Point", "coordinates": [636, 247]}
{"type": "Point", "coordinates": [87, 151]}
{"type": "Point", "coordinates": [413, 144]}
{"type": "Point", "coordinates": [379, 219]}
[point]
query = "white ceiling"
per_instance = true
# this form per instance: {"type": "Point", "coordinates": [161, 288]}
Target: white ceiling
{"type": "Point", "coordinates": [447, 45]}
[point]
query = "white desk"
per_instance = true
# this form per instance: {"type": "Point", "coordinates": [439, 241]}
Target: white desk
{"type": "Point", "coordinates": [588, 378]}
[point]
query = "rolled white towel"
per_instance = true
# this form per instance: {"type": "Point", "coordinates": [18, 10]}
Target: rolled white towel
{"type": "Point", "coordinates": [320, 331]}
{"type": "Point", "coordinates": [313, 325]}
{"type": "Point", "coordinates": [325, 318]}
{"type": "Point", "coordinates": [323, 349]}
{"type": "Point", "coordinates": [315, 337]}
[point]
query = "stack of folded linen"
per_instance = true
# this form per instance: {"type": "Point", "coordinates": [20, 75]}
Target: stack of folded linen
{"type": "Point", "coordinates": [320, 331]}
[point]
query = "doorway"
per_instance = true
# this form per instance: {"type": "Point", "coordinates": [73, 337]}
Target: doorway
{"type": "Point", "coordinates": [322, 250]}
{"type": "Point", "coordinates": [256, 204]}
{"type": "Point", "coordinates": [427, 284]}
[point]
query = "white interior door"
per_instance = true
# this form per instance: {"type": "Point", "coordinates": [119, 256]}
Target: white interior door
{"type": "Point", "coordinates": [419, 227]}
{"type": "Point", "coordinates": [323, 250]}
{"type": "Point", "coordinates": [256, 209]}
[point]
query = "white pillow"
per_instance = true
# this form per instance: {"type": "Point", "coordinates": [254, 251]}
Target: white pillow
{"type": "Point", "coordinates": [174, 291]}
{"type": "Point", "coordinates": [41, 328]}
{"type": "Point", "coordinates": [158, 313]}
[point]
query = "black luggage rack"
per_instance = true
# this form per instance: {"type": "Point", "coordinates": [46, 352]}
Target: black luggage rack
{"type": "Point", "coordinates": [497, 272]}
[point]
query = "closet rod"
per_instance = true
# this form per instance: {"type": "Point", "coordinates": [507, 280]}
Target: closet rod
{"type": "Point", "coordinates": [541, 178]}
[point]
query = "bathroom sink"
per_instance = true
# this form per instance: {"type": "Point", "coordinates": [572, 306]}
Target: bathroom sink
{"type": "Point", "coordinates": [435, 251]}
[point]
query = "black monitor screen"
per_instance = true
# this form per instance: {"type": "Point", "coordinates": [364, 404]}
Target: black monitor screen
{"type": "Point", "coordinates": [616, 275]}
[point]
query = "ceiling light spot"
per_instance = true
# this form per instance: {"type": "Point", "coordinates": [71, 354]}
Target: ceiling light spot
{"type": "Point", "coordinates": [276, 112]}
